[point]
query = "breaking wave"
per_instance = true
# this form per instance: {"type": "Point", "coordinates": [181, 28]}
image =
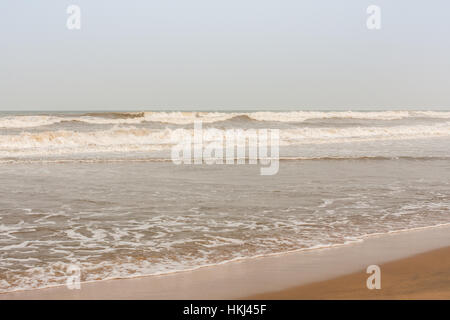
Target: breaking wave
{"type": "Point", "coordinates": [182, 118]}
{"type": "Point", "coordinates": [126, 139]}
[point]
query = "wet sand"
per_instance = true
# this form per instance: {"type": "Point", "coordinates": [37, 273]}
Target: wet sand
{"type": "Point", "coordinates": [423, 276]}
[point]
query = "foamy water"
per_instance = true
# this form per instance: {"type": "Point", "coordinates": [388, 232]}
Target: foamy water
{"type": "Point", "coordinates": [98, 190]}
{"type": "Point", "coordinates": [143, 132]}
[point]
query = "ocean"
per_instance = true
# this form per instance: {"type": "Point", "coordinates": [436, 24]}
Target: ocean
{"type": "Point", "coordinates": [99, 190]}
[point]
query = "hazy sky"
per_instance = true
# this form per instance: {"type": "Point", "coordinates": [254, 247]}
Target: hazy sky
{"type": "Point", "coordinates": [223, 54]}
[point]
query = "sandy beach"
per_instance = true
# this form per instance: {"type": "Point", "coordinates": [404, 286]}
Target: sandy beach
{"type": "Point", "coordinates": [423, 276]}
{"type": "Point", "coordinates": [216, 158]}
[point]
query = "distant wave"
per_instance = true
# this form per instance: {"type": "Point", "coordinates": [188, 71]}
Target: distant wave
{"type": "Point", "coordinates": [115, 115]}
{"type": "Point", "coordinates": [300, 116]}
{"type": "Point", "coordinates": [183, 118]}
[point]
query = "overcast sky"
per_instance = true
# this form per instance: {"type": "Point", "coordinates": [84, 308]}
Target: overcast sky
{"type": "Point", "coordinates": [224, 54]}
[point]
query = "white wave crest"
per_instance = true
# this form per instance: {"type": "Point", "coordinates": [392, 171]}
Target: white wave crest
{"type": "Point", "coordinates": [128, 139]}
{"type": "Point", "coordinates": [182, 118]}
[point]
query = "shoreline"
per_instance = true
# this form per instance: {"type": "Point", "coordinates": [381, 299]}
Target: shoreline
{"type": "Point", "coordinates": [249, 277]}
{"type": "Point", "coordinates": [242, 259]}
